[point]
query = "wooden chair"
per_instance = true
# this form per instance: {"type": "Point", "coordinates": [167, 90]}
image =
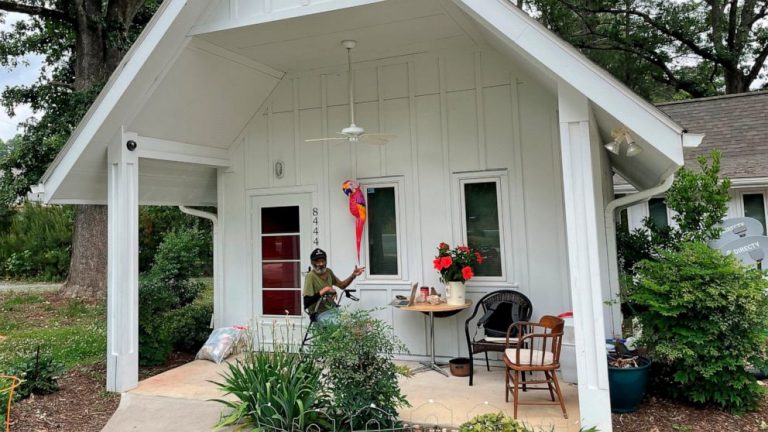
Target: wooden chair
{"type": "Point", "coordinates": [537, 350]}
{"type": "Point", "coordinates": [500, 310]}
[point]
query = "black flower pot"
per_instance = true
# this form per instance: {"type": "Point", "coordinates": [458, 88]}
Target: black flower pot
{"type": "Point", "coordinates": [627, 385]}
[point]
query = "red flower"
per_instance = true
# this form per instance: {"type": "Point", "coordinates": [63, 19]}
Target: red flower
{"type": "Point", "coordinates": [463, 248]}
{"type": "Point", "coordinates": [443, 246]}
{"type": "Point", "coordinates": [467, 273]}
{"type": "Point", "coordinates": [479, 257]}
{"type": "Point", "coordinates": [437, 264]}
{"type": "Point", "coordinates": [446, 261]}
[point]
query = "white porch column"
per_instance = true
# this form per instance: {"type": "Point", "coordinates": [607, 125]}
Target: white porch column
{"type": "Point", "coordinates": [123, 265]}
{"type": "Point", "coordinates": [582, 192]}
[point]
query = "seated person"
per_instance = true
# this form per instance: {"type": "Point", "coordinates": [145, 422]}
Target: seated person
{"type": "Point", "coordinates": [319, 293]}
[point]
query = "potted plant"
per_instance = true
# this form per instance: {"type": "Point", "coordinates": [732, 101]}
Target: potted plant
{"type": "Point", "coordinates": [627, 378]}
{"type": "Point", "coordinates": [456, 266]}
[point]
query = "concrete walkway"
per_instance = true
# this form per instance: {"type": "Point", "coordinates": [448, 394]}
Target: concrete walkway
{"type": "Point", "coordinates": [179, 399]}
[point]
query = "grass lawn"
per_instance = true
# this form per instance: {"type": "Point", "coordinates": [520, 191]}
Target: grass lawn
{"type": "Point", "coordinates": [73, 331]}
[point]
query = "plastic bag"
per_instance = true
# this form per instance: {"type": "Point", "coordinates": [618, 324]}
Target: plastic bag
{"type": "Point", "coordinates": [220, 344]}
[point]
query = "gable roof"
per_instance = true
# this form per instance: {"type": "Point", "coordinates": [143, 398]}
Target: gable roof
{"type": "Point", "coordinates": [737, 125]}
{"type": "Point", "coordinates": [170, 36]}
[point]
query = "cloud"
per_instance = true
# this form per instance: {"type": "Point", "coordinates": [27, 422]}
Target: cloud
{"type": "Point", "coordinates": [21, 75]}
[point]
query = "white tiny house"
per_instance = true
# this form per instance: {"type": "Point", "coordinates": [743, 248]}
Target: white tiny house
{"type": "Point", "coordinates": [495, 138]}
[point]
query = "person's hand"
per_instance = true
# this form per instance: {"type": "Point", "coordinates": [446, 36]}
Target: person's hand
{"type": "Point", "coordinates": [327, 290]}
{"type": "Point", "coordinates": [358, 271]}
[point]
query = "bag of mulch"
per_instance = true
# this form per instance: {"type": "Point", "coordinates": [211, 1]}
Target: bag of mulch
{"type": "Point", "coordinates": [220, 344]}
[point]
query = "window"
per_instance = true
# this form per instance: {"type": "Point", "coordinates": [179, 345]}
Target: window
{"type": "Point", "coordinates": [382, 241]}
{"type": "Point", "coordinates": [657, 212]}
{"type": "Point", "coordinates": [481, 214]}
{"type": "Point", "coordinates": [754, 207]}
{"type": "Point", "coordinates": [280, 268]}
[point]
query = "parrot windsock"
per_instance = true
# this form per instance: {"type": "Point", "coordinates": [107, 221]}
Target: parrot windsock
{"type": "Point", "coordinates": [357, 207]}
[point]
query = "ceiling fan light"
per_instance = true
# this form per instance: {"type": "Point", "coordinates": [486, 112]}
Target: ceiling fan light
{"type": "Point", "coordinates": [612, 147]}
{"type": "Point", "coordinates": [633, 149]}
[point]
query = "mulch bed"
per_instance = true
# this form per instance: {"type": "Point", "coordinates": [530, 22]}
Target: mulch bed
{"type": "Point", "coordinates": [659, 415]}
{"type": "Point", "coordinates": [82, 404]}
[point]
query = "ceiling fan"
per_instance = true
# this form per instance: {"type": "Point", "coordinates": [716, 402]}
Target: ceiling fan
{"type": "Point", "coordinates": [354, 133]}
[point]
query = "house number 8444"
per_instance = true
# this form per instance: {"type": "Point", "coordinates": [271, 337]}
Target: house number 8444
{"type": "Point", "coordinates": [315, 227]}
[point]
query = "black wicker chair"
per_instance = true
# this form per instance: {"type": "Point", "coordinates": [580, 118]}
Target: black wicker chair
{"type": "Point", "coordinates": [500, 309]}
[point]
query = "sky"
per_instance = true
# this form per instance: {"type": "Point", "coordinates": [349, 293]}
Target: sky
{"type": "Point", "coordinates": [19, 75]}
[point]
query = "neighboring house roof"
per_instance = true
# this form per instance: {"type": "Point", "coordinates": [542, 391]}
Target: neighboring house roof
{"type": "Point", "coordinates": [737, 125]}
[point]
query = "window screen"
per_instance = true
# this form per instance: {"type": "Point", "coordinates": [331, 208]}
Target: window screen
{"type": "Point", "coordinates": [754, 207]}
{"type": "Point", "coordinates": [382, 231]}
{"type": "Point", "coordinates": [481, 210]}
{"type": "Point", "coordinates": [657, 211]}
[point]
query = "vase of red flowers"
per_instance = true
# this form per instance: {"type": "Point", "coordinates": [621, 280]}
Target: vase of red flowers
{"type": "Point", "coordinates": [456, 266]}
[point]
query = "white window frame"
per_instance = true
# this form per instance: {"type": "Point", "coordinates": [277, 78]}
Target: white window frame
{"type": "Point", "coordinates": [501, 178]}
{"type": "Point", "coordinates": [399, 185]}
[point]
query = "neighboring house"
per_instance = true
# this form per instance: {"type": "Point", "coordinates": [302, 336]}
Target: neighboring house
{"type": "Point", "coordinates": [500, 130]}
{"type": "Point", "coordinates": [737, 125]}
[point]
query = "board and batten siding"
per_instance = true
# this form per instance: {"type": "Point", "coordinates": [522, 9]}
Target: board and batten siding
{"type": "Point", "coordinates": [453, 112]}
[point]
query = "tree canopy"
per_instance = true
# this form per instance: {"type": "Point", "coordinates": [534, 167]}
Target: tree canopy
{"type": "Point", "coordinates": [666, 49]}
{"type": "Point", "coordinates": [81, 42]}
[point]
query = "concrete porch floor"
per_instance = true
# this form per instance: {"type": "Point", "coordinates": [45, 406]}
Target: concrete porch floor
{"type": "Point", "coordinates": [179, 399]}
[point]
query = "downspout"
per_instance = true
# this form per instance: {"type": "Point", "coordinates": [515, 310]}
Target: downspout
{"type": "Point", "coordinates": [610, 238]}
{"type": "Point", "coordinates": [218, 276]}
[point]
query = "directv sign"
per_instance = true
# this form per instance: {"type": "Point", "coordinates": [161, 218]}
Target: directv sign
{"type": "Point", "coordinates": [736, 228]}
{"type": "Point", "coordinates": [750, 250]}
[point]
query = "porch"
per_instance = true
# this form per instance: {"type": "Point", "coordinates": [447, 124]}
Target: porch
{"type": "Point", "coordinates": [182, 396]}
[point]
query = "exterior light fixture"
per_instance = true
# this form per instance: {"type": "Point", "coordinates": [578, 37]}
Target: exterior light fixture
{"type": "Point", "coordinates": [621, 135]}
{"type": "Point", "coordinates": [633, 149]}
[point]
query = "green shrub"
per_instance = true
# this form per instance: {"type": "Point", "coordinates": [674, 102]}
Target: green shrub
{"type": "Point", "coordinates": [278, 390]}
{"type": "Point", "coordinates": [497, 422]}
{"type": "Point", "coordinates": [357, 353]}
{"type": "Point", "coordinates": [178, 261]}
{"type": "Point", "coordinates": [704, 320]}
{"type": "Point", "coordinates": [39, 374]}
{"type": "Point", "coordinates": [166, 288]}
{"type": "Point", "coordinates": [189, 327]}
{"type": "Point", "coordinates": [37, 243]}
{"type": "Point", "coordinates": [156, 221]}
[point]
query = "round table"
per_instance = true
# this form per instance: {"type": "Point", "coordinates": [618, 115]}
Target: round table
{"type": "Point", "coordinates": [441, 310]}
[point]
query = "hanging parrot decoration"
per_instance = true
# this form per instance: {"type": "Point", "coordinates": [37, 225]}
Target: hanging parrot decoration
{"type": "Point", "coordinates": [357, 207]}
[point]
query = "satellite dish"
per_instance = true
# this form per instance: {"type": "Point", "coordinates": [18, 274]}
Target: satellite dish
{"type": "Point", "coordinates": [736, 228]}
{"type": "Point", "coordinates": [750, 250]}
{"type": "Point", "coordinates": [354, 133]}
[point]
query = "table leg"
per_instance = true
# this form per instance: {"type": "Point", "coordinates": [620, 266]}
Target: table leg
{"type": "Point", "coordinates": [432, 364]}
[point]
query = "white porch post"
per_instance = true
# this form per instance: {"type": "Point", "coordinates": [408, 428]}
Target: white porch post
{"type": "Point", "coordinates": [123, 266]}
{"type": "Point", "coordinates": [587, 266]}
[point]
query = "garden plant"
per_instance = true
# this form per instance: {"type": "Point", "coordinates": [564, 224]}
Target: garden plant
{"type": "Point", "coordinates": [702, 314]}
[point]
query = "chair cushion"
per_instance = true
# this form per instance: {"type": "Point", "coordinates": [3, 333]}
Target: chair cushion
{"type": "Point", "coordinates": [526, 358]}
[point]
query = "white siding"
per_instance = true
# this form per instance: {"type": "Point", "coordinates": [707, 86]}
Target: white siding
{"type": "Point", "coordinates": [452, 112]}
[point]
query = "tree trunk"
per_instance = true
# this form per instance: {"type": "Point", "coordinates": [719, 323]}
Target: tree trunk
{"type": "Point", "coordinates": [735, 82]}
{"type": "Point", "coordinates": [88, 267]}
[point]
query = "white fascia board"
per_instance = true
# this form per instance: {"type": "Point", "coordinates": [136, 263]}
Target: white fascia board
{"type": "Point", "coordinates": [160, 149]}
{"type": "Point", "coordinates": [118, 83]}
{"type": "Point", "coordinates": [316, 7]}
{"type": "Point", "coordinates": [522, 33]}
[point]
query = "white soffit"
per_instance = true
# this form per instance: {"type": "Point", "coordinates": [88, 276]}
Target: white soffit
{"type": "Point", "coordinates": [206, 98]}
{"type": "Point", "coordinates": [133, 78]}
{"type": "Point", "coordinates": [382, 30]}
{"type": "Point", "coordinates": [160, 183]}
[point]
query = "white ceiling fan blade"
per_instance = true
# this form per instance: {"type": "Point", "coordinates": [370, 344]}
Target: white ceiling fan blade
{"type": "Point", "coordinates": [377, 138]}
{"type": "Point", "coordinates": [325, 139]}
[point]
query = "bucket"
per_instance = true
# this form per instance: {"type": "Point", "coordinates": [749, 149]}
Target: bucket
{"type": "Point", "coordinates": [459, 366]}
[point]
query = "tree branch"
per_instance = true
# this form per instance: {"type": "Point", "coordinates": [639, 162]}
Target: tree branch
{"type": "Point", "coordinates": [676, 34]}
{"type": "Point", "coordinates": [54, 14]}
{"type": "Point", "coordinates": [758, 65]}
